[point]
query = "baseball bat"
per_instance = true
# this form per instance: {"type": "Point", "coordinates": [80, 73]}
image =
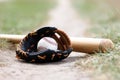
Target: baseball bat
{"type": "Point", "coordinates": [85, 45]}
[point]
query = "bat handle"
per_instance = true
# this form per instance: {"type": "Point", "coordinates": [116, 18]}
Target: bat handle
{"type": "Point", "coordinates": [12, 38]}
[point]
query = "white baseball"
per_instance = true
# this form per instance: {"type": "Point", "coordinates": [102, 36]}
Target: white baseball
{"type": "Point", "coordinates": [47, 43]}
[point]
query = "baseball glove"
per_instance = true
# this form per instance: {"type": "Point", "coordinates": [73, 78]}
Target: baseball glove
{"type": "Point", "coordinates": [27, 49]}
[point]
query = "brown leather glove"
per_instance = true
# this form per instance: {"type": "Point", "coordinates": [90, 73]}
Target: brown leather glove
{"type": "Point", "coordinates": [27, 49]}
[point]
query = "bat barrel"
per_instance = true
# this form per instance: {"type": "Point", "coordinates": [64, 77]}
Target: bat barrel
{"type": "Point", "coordinates": [91, 45]}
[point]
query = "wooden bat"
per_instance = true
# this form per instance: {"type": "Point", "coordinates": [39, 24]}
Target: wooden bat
{"type": "Point", "coordinates": [85, 45]}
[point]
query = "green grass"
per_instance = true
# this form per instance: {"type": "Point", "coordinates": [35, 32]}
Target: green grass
{"type": "Point", "coordinates": [104, 18]}
{"type": "Point", "coordinates": [21, 16]}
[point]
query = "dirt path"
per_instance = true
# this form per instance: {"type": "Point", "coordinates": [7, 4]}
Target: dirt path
{"type": "Point", "coordinates": [65, 18]}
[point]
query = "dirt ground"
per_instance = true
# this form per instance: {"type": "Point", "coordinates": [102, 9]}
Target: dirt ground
{"type": "Point", "coordinates": [65, 18]}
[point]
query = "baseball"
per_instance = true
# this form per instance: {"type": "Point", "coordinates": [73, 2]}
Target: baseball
{"type": "Point", "coordinates": [47, 43]}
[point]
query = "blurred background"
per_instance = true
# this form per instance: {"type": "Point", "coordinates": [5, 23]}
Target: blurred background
{"type": "Point", "coordinates": [20, 16]}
